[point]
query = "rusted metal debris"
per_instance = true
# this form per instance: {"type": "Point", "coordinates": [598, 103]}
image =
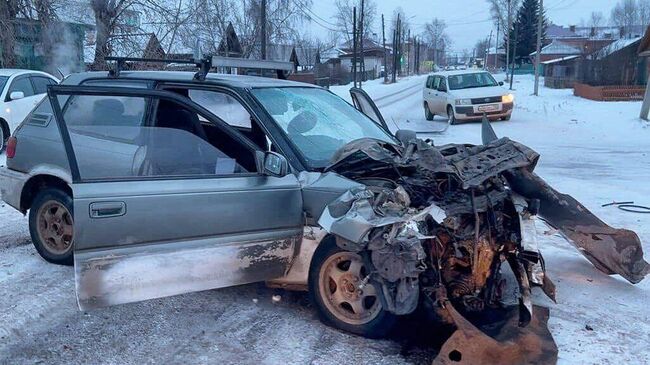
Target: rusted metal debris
{"type": "Point", "coordinates": [436, 223]}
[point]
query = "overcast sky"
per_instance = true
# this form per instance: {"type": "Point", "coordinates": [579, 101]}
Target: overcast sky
{"type": "Point", "coordinates": [468, 20]}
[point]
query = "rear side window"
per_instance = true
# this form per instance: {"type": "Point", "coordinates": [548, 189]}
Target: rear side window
{"type": "Point", "coordinates": [22, 84]}
{"type": "Point", "coordinates": [436, 83]}
{"type": "Point", "coordinates": [40, 84]}
{"type": "Point", "coordinates": [430, 82]}
{"type": "Point", "coordinates": [101, 110]}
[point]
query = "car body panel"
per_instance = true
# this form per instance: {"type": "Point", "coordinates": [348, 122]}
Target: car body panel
{"type": "Point", "coordinates": [151, 237]}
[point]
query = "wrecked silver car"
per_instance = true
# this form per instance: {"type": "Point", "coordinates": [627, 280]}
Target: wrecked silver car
{"type": "Point", "coordinates": [176, 182]}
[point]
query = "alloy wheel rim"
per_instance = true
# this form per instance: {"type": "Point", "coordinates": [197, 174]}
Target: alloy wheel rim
{"type": "Point", "coordinates": [55, 227]}
{"type": "Point", "coordinates": [2, 138]}
{"type": "Point", "coordinates": [339, 281]}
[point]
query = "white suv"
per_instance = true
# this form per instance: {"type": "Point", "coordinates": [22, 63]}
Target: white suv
{"type": "Point", "coordinates": [466, 96]}
{"type": "Point", "coordinates": [20, 91]}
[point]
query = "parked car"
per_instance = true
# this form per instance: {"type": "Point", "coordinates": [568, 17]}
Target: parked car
{"type": "Point", "coordinates": [160, 183]}
{"type": "Point", "coordinates": [20, 91]}
{"type": "Point", "coordinates": [466, 96]}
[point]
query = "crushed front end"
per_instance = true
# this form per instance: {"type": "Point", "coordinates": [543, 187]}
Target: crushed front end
{"type": "Point", "coordinates": [434, 225]}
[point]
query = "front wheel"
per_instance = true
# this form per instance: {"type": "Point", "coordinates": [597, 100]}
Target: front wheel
{"type": "Point", "coordinates": [334, 279]}
{"type": "Point", "coordinates": [506, 118]}
{"type": "Point", "coordinates": [451, 115]}
{"type": "Point", "coordinates": [427, 112]}
{"type": "Point", "coordinates": [51, 226]}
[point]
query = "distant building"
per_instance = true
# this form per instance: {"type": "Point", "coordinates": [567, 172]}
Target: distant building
{"type": "Point", "coordinates": [61, 48]}
{"type": "Point", "coordinates": [373, 58]}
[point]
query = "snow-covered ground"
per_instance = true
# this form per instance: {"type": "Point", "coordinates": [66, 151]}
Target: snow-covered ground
{"type": "Point", "coordinates": [597, 152]}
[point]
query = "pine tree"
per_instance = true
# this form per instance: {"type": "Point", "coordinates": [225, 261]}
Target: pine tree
{"type": "Point", "coordinates": [526, 24]}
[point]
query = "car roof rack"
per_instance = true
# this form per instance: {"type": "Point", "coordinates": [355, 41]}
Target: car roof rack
{"type": "Point", "coordinates": [203, 65]}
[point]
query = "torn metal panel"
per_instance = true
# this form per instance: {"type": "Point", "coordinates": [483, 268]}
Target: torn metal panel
{"type": "Point", "coordinates": [508, 344]}
{"type": "Point", "coordinates": [611, 250]}
{"type": "Point", "coordinates": [320, 189]}
{"type": "Point", "coordinates": [104, 278]}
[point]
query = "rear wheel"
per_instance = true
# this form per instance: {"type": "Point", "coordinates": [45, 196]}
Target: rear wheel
{"type": "Point", "coordinates": [4, 135]}
{"type": "Point", "coordinates": [427, 112]}
{"type": "Point", "coordinates": [451, 115]}
{"type": "Point", "coordinates": [51, 226]}
{"type": "Point", "coordinates": [334, 279]}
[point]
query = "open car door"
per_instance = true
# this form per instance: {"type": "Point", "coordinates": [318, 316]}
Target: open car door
{"type": "Point", "coordinates": [159, 208]}
{"type": "Point", "coordinates": [364, 104]}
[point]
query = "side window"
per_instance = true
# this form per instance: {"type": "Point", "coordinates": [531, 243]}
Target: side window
{"type": "Point", "coordinates": [224, 106]}
{"type": "Point", "coordinates": [436, 83]}
{"type": "Point", "coordinates": [111, 141]}
{"type": "Point", "coordinates": [22, 84]}
{"type": "Point", "coordinates": [86, 110]}
{"type": "Point", "coordinates": [443, 84]}
{"type": "Point", "coordinates": [40, 84]}
{"type": "Point", "coordinates": [430, 82]}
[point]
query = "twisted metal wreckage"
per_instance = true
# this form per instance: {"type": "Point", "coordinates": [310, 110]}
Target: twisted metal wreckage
{"type": "Point", "coordinates": [435, 224]}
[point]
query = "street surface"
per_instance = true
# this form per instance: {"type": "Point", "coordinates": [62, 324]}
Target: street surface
{"type": "Point", "coordinates": [597, 152]}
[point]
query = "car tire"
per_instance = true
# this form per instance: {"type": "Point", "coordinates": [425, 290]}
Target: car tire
{"type": "Point", "coordinates": [333, 297]}
{"type": "Point", "coordinates": [51, 226]}
{"type": "Point", "coordinates": [506, 118]}
{"type": "Point", "coordinates": [451, 115]}
{"type": "Point", "coordinates": [427, 112]}
{"type": "Point", "coordinates": [4, 135]}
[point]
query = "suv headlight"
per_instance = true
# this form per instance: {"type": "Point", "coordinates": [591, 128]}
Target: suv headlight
{"type": "Point", "coordinates": [463, 101]}
{"type": "Point", "coordinates": [509, 98]}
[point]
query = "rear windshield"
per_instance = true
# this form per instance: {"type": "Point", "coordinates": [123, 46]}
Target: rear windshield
{"type": "Point", "coordinates": [3, 82]}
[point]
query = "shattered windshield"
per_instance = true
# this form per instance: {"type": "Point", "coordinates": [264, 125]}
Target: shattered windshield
{"type": "Point", "coordinates": [471, 80]}
{"type": "Point", "coordinates": [317, 121]}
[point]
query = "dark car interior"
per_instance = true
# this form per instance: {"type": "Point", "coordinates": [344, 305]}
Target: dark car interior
{"type": "Point", "coordinates": [172, 115]}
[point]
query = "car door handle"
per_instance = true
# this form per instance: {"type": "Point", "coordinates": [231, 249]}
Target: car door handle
{"type": "Point", "coordinates": [107, 209]}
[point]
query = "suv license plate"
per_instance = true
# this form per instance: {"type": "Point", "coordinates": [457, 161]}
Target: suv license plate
{"type": "Point", "coordinates": [488, 108]}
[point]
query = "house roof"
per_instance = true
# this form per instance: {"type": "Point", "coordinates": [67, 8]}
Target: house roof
{"type": "Point", "coordinates": [368, 43]}
{"type": "Point", "coordinates": [554, 31]}
{"type": "Point", "coordinates": [559, 48]}
{"type": "Point", "coordinates": [615, 47]}
{"type": "Point", "coordinates": [561, 59]}
{"type": "Point", "coordinates": [500, 50]}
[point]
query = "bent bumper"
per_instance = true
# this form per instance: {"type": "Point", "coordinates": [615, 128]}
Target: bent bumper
{"type": "Point", "coordinates": [11, 186]}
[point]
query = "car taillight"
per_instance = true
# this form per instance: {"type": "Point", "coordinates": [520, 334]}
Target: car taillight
{"type": "Point", "coordinates": [11, 147]}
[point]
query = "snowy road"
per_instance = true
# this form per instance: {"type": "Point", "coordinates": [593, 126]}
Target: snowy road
{"type": "Point", "coordinates": [598, 152]}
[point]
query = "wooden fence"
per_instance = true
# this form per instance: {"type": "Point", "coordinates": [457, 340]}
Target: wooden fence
{"type": "Point", "coordinates": [609, 93]}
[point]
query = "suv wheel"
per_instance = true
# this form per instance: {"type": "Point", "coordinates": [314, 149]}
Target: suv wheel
{"type": "Point", "coordinates": [3, 138]}
{"type": "Point", "coordinates": [51, 226]}
{"type": "Point", "coordinates": [427, 112]}
{"type": "Point", "coordinates": [334, 276]}
{"type": "Point", "coordinates": [451, 115]}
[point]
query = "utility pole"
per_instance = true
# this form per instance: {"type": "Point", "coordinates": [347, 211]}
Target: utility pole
{"type": "Point", "coordinates": [354, 45]}
{"type": "Point", "coordinates": [540, 21]}
{"type": "Point", "coordinates": [362, 64]}
{"type": "Point", "coordinates": [514, 56]}
{"type": "Point", "coordinates": [487, 51]}
{"type": "Point", "coordinates": [263, 28]}
{"type": "Point", "coordinates": [508, 37]}
{"type": "Point", "coordinates": [383, 36]}
{"type": "Point", "coordinates": [496, 46]}
{"type": "Point", "coordinates": [408, 53]}
{"type": "Point", "coordinates": [396, 38]}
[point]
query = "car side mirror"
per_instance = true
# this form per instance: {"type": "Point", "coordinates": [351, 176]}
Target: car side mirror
{"type": "Point", "coordinates": [275, 165]}
{"type": "Point", "coordinates": [15, 95]}
{"type": "Point", "coordinates": [500, 83]}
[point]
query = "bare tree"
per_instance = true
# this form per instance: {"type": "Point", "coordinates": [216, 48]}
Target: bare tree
{"type": "Point", "coordinates": [8, 11]}
{"type": "Point", "coordinates": [435, 33]}
{"type": "Point", "coordinates": [644, 13]}
{"type": "Point", "coordinates": [625, 15]}
{"type": "Point", "coordinates": [343, 17]}
{"type": "Point", "coordinates": [596, 19]}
